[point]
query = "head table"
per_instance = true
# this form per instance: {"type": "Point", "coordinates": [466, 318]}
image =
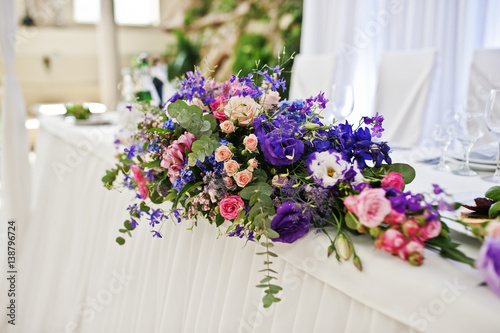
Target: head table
{"type": "Point", "coordinates": [73, 277]}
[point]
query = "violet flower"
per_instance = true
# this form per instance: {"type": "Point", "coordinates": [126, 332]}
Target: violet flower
{"type": "Point", "coordinates": [488, 263]}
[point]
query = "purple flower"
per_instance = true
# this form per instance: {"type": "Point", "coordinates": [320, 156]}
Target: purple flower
{"type": "Point", "coordinates": [283, 149]}
{"type": "Point", "coordinates": [130, 152]}
{"type": "Point", "coordinates": [289, 223]}
{"type": "Point", "coordinates": [488, 263]}
{"type": "Point", "coordinates": [437, 189]}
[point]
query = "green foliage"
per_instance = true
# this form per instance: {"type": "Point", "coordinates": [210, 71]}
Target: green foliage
{"type": "Point", "coordinates": [191, 118]}
{"type": "Point", "coordinates": [78, 111]}
{"type": "Point", "coordinates": [249, 49]}
{"type": "Point", "coordinates": [182, 57]}
{"type": "Point", "coordinates": [494, 210]}
{"type": "Point", "coordinates": [407, 172]}
{"type": "Point", "coordinates": [195, 12]}
{"type": "Point", "coordinates": [493, 193]}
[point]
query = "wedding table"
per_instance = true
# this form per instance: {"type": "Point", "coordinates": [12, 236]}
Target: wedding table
{"type": "Point", "coordinates": [73, 277]}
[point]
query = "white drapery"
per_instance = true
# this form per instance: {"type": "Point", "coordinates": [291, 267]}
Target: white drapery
{"type": "Point", "coordinates": [359, 31]}
{"type": "Point", "coordinates": [14, 167]}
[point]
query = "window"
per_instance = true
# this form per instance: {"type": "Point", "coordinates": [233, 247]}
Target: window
{"type": "Point", "coordinates": [127, 12]}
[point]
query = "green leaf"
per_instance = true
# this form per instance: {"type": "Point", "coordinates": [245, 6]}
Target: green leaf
{"type": "Point", "coordinates": [493, 193]}
{"type": "Point", "coordinates": [144, 207]}
{"type": "Point", "coordinates": [270, 233]}
{"type": "Point", "coordinates": [127, 225]}
{"type": "Point", "coordinates": [260, 175]}
{"type": "Point", "coordinates": [351, 221]}
{"type": "Point", "coordinates": [122, 230]}
{"type": "Point", "coordinates": [494, 210]}
{"type": "Point", "coordinates": [241, 216]}
{"type": "Point", "coordinates": [120, 240]}
{"type": "Point", "coordinates": [172, 195]}
{"type": "Point", "coordinates": [219, 220]}
{"type": "Point", "coordinates": [272, 254]}
{"type": "Point", "coordinates": [267, 279]}
{"type": "Point", "coordinates": [265, 188]}
{"type": "Point", "coordinates": [247, 192]}
{"type": "Point", "coordinates": [259, 220]}
{"type": "Point", "coordinates": [185, 189]}
{"type": "Point", "coordinates": [406, 171]}
{"type": "Point", "coordinates": [156, 198]}
{"type": "Point", "coordinates": [152, 164]}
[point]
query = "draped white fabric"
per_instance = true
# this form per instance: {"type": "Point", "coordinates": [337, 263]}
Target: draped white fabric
{"type": "Point", "coordinates": [75, 278]}
{"type": "Point", "coordinates": [402, 99]}
{"type": "Point", "coordinates": [311, 74]}
{"type": "Point", "coordinates": [14, 168]}
{"type": "Point", "coordinates": [359, 31]}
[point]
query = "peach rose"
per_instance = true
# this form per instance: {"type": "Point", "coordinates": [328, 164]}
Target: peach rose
{"type": "Point", "coordinates": [199, 103]}
{"type": "Point", "coordinates": [250, 142]}
{"type": "Point", "coordinates": [270, 99]}
{"type": "Point", "coordinates": [243, 177]}
{"type": "Point", "coordinates": [253, 163]}
{"type": "Point", "coordinates": [223, 153]}
{"type": "Point", "coordinates": [231, 167]}
{"type": "Point", "coordinates": [227, 127]}
{"type": "Point", "coordinates": [242, 109]}
{"type": "Point", "coordinates": [228, 181]}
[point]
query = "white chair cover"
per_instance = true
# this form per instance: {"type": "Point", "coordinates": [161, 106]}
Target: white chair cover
{"type": "Point", "coordinates": [311, 74]}
{"type": "Point", "coordinates": [402, 92]}
{"type": "Point", "coordinates": [484, 76]}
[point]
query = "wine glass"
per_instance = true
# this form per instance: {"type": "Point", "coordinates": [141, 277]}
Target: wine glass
{"type": "Point", "coordinates": [469, 129]}
{"type": "Point", "coordinates": [492, 121]}
{"type": "Point", "coordinates": [341, 104]}
{"type": "Point", "coordinates": [443, 135]}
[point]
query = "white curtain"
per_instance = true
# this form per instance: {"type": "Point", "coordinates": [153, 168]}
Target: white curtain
{"type": "Point", "coordinates": [359, 31]}
{"type": "Point", "coordinates": [14, 166]}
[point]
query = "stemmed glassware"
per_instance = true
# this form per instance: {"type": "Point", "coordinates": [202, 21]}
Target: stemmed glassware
{"type": "Point", "coordinates": [469, 129]}
{"type": "Point", "coordinates": [443, 135]}
{"type": "Point", "coordinates": [492, 121]}
{"type": "Point", "coordinates": [340, 105]}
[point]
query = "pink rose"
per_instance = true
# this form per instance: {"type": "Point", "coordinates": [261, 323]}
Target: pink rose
{"type": "Point", "coordinates": [371, 207]}
{"type": "Point", "coordinates": [243, 177]}
{"type": "Point", "coordinates": [393, 179]}
{"type": "Point", "coordinates": [411, 227]}
{"type": "Point", "coordinates": [174, 155]}
{"type": "Point", "coordinates": [412, 251]}
{"type": "Point", "coordinates": [231, 167]}
{"type": "Point", "coordinates": [430, 230]}
{"type": "Point", "coordinates": [227, 127]}
{"type": "Point", "coordinates": [250, 142]}
{"type": "Point", "coordinates": [231, 206]}
{"type": "Point", "coordinates": [493, 229]}
{"type": "Point", "coordinates": [242, 109]}
{"type": "Point", "coordinates": [253, 163]}
{"type": "Point", "coordinates": [392, 241]}
{"type": "Point", "coordinates": [350, 203]}
{"type": "Point", "coordinates": [395, 217]}
{"type": "Point", "coordinates": [218, 108]}
{"type": "Point", "coordinates": [270, 99]}
{"type": "Point", "coordinates": [223, 153]}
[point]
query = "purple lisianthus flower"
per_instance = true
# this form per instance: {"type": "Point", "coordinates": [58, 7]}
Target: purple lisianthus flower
{"type": "Point", "coordinates": [281, 149]}
{"type": "Point", "coordinates": [488, 263]}
{"type": "Point", "coordinates": [290, 223]}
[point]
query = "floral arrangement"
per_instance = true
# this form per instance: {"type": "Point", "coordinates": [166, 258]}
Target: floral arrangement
{"type": "Point", "coordinates": [270, 171]}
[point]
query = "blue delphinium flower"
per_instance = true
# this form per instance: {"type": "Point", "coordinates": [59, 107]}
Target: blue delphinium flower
{"type": "Point", "coordinates": [130, 152]}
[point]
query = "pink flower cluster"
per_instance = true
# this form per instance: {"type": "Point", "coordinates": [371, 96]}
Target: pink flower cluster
{"type": "Point", "coordinates": [174, 155]}
{"type": "Point", "coordinates": [395, 232]}
{"type": "Point", "coordinates": [141, 181]}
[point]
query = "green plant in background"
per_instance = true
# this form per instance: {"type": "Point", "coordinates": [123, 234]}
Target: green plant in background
{"type": "Point", "coordinates": [195, 12]}
{"type": "Point", "coordinates": [182, 57]}
{"type": "Point", "coordinates": [249, 49]}
{"type": "Point", "coordinates": [78, 111]}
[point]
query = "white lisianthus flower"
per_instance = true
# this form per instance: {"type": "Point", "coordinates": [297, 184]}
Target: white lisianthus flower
{"type": "Point", "coordinates": [327, 168]}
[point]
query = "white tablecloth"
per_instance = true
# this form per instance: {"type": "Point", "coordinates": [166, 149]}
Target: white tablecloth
{"type": "Point", "coordinates": [73, 277]}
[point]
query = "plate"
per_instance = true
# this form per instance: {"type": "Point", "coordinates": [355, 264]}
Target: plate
{"type": "Point", "coordinates": [477, 164]}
